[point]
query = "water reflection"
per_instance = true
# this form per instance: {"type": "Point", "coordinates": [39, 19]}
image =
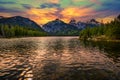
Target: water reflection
{"type": "Point", "coordinates": [112, 49]}
{"type": "Point", "coordinates": [58, 58]}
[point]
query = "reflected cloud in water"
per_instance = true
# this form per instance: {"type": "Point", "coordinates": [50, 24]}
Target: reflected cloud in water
{"type": "Point", "coordinates": [56, 58]}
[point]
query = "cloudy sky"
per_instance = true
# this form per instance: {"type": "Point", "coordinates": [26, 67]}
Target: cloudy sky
{"type": "Point", "coordinates": [42, 11]}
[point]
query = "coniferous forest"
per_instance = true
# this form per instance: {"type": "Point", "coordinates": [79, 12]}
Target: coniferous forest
{"type": "Point", "coordinates": [59, 39]}
{"type": "Point", "coordinates": [108, 31]}
{"type": "Point", "coordinates": [9, 31]}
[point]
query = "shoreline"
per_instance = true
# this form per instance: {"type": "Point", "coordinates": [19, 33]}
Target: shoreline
{"type": "Point", "coordinates": [95, 39]}
{"type": "Point", "coordinates": [36, 37]}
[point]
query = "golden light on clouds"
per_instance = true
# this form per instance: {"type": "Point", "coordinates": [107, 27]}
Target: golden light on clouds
{"type": "Point", "coordinates": [74, 12]}
{"type": "Point", "coordinates": [43, 11]}
{"type": "Point", "coordinates": [106, 19]}
{"type": "Point", "coordinates": [42, 16]}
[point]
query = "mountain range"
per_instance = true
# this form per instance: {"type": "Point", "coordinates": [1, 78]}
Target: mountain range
{"type": "Point", "coordinates": [58, 27]}
{"type": "Point", "coordinates": [20, 21]}
{"type": "Point", "coordinates": [82, 25]}
{"type": "Point", "coordinates": [55, 27]}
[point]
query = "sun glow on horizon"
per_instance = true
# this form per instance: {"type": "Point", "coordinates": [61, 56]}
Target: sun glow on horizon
{"type": "Point", "coordinates": [43, 11]}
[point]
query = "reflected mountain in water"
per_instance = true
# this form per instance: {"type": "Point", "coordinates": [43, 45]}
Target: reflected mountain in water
{"type": "Point", "coordinates": [58, 58]}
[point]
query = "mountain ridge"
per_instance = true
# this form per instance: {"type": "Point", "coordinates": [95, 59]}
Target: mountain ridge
{"type": "Point", "coordinates": [58, 26]}
{"type": "Point", "coordinates": [21, 21]}
{"type": "Point", "coordinates": [55, 27]}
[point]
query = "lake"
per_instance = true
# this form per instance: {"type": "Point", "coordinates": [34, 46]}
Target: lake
{"type": "Point", "coordinates": [58, 58]}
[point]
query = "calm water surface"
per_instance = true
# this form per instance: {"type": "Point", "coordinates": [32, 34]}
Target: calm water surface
{"type": "Point", "coordinates": [58, 58]}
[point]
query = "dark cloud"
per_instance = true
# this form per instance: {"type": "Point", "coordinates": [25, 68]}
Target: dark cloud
{"type": "Point", "coordinates": [27, 6]}
{"type": "Point", "coordinates": [1, 2]}
{"type": "Point", "coordinates": [8, 10]}
{"type": "Point", "coordinates": [112, 7]}
{"type": "Point", "coordinates": [105, 9]}
{"type": "Point", "coordinates": [49, 5]}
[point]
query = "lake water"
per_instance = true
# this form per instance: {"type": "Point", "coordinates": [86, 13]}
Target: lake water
{"type": "Point", "coordinates": [58, 58]}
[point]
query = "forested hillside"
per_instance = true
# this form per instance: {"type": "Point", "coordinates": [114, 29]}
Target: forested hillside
{"type": "Point", "coordinates": [105, 31]}
{"type": "Point", "coordinates": [18, 31]}
{"type": "Point", "coordinates": [18, 26]}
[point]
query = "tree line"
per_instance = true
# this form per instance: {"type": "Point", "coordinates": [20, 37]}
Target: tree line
{"type": "Point", "coordinates": [18, 31]}
{"type": "Point", "coordinates": [104, 31]}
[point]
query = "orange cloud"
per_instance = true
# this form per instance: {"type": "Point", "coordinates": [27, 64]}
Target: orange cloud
{"type": "Point", "coordinates": [42, 16]}
{"type": "Point", "coordinates": [106, 19]}
{"type": "Point", "coordinates": [75, 12]}
{"type": "Point", "coordinates": [5, 14]}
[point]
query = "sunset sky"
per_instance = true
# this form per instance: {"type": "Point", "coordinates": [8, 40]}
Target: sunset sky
{"type": "Point", "coordinates": [42, 11]}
